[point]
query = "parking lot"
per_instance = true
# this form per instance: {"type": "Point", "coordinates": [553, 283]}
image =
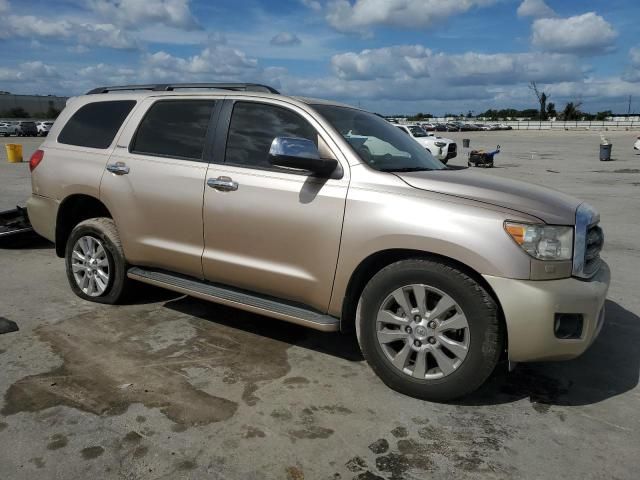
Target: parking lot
{"type": "Point", "coordinates": [173, 387]}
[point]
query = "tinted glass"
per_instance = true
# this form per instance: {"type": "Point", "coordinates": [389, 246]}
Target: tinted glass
{"type": "Point", "coordinates": [96, 124]}
{"type": "Point", "coordinates": [253, 128]}
{"type": "Point", "coordinates": [175, 128]}
{"type": "Point", "coordinates": [377, 142]}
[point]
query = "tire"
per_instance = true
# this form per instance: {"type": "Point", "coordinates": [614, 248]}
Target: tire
{"type": "Point", "coordinates": [483, 335]}
{"type": "Point", "coordinates": [103, 230]}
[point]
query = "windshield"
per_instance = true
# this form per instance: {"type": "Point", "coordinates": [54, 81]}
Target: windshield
{"type": "Point", "coordinates": [377, 142]}
{"type": "Point", "coordinates": [418, 132]}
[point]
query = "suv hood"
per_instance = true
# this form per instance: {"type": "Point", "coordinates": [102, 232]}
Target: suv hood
{"type": "Point", "coordinates": [548, 205]}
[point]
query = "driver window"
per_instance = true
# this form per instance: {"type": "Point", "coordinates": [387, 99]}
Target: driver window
{"type": "Point", "coordinates": [254, 126]}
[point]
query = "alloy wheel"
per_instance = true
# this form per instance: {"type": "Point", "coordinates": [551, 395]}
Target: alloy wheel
{"type": "Point", "coordinates": [90, 266]}
{"type": "Point", "coordinates": [423, 332]}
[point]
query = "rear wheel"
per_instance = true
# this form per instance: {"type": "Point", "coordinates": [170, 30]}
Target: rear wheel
{"type": "Point", "coordinates": [95, 263]}
{"type": "Point", "coordinates": [429, 330]}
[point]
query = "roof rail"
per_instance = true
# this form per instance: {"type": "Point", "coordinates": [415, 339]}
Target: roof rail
{"type": "Point", "coordinates": [168, 87]}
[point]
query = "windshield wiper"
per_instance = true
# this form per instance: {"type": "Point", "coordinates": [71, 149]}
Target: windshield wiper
{"type": "Point", "coordinates": [407, 169]}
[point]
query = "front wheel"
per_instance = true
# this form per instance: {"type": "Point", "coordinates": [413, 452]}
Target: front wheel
{"type": "Point", "coordinates": [429, 330]}
{"type": "Point", "coordinates": [95, 263]}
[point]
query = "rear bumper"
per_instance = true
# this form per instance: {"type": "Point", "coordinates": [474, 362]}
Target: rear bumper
{"type": "Point", "coordinates": [530, 308]}
{"type": "Point", "coordinates": [43, 212]}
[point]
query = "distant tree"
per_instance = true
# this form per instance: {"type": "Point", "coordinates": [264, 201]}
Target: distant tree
{"type": "Point", "coordinates": [542, 100]}
{"type": "Point", "coordinates": [420, 116]}
{"type": "Point", "coordinates": [551, 110]}
{"type": "Point", "coordinates": [601, 116]}
{"type": "Point", "coordinates": [16, 112]}
{"type": "Point", "coordinates": [572, 111]}
{"type": "Point", "coordinates": [470, 114]}
{"type": "Point", "coordinates": [52, 112]}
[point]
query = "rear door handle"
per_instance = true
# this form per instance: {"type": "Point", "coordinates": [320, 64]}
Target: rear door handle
{"type": "Point", "coordinates": [119, 168]}
{"type": "Point", "coordinates": [223, 184]}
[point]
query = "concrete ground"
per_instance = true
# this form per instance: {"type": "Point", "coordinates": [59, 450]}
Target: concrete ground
{"type": "Point", "coordinates": [173, 387]}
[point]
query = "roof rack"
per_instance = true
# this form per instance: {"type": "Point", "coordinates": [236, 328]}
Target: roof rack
{"type": "Point", "coordinates": [168, 87]}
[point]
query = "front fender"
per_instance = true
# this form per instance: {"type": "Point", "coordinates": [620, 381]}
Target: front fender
{"type": "Point", "coordinates": [464, 231]}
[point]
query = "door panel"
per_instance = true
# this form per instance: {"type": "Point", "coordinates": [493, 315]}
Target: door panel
{"type": "Point", "coordinates": [158, 211]}
{"type": "Point", "coordinates": [277, 233]}
{"type": "Point", "coordinates": [157, 205]}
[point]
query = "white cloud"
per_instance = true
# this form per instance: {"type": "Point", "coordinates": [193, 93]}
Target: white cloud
{"type": "Point", "coordinates": [87, 34]}
{"type": "Point", "coordinates": [346, 16]}
{"type": "Point", "coordinates": [632, 74]}
{"type": "Point", "coordinates": [408, 61]}
{"type": "Point", "coordinates": [536, 9]}
{"type": "Point", "coordinates": [29, 72]}
{"type": "Point", "coordinates": [105, 35]}
{"type": "Point", "coordinates": [173, 13]}
{"type": "Point", "coordinates": [4, 6]}
{"type": "Point", "coordinates": [285, 39]}
{"type": "Point", "coordinates": [29, 26]}
{"type": "Point", "coordinates": [471, 68]}
{"type": "Point", "coordinates": [585, 34]}
{"type": "Point", "coordinates": [312, 4]}
{"type": "Point", "coordinates": [634, 56]}
{"type": "Point", "coordinates": [220, 60]}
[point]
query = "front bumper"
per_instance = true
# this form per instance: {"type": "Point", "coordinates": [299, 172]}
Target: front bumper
{"type": "Point", "coordinates": [530, 307]}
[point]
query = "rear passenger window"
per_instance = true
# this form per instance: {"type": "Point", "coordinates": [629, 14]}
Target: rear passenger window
{"type": "Point", "coordinates": [253, 128]}
{"type": "Point", "coordinates": [174, 128]}
{"type": "Point", "coordinates": [96, 124]}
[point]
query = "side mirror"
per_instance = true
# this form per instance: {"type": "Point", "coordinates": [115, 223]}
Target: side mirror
{"type": "Point", "coordinates": [300, 154]}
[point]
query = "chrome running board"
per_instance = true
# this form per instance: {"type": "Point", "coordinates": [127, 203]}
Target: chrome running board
{"type": "Point", "coordinates": [237, 298]}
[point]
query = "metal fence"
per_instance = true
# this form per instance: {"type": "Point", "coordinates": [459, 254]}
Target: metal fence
{"type": "Point", "coordinates": [630, 124]}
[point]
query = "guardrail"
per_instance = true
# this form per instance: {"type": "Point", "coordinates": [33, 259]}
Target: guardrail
{"type": "Point", "coordinates": [557, 125]}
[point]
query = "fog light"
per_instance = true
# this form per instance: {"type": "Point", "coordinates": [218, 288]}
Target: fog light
{"type": "Point", "coordinates": [568, 325]}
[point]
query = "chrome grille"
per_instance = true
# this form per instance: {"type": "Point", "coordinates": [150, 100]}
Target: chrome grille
{"type": "Point", "coordinates": [594, 243]}
{"type": "Point", "coordinates": [589, 240]}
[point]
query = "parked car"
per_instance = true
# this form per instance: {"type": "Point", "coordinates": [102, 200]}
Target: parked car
{"type": "Point", "coordinates": [26, 128]}
{"type": "Point", "coordinates": [301, 210]}
{"type": "Point", "coordinates": [429, 127]}
{"type": "Point", "coordinates": [504, 126]}
{"type": "Point", "coordinates": [441, 127]}
{"type": "Point", "coordinates": [441, 148]}
{"type": "Point", "coordinates": [482, 127]}
{"type": "Point", "coordinates": [43, 127]}
{"type": "Point", "coordinates": [636, 146]}
{"type": "Point", "coordinates": [8, 128]}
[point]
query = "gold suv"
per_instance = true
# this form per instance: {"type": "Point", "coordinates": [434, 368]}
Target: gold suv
{"type": "Point", "coordinates": [323, 215]}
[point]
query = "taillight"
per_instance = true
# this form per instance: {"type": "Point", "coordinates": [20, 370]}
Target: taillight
{"type": "Point", "coordinates": [35, 159]}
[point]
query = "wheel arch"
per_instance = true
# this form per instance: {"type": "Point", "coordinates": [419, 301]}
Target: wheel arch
{"type": "Point", "coordinates": [378, 260]}
{"type": "Point", "coordinates": [73, 210]}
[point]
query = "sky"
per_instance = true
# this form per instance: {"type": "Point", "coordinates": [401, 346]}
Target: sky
{"type": "Point", "coordinates": [388, 56]}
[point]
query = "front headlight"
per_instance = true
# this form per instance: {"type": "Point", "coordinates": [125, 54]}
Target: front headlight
{"type": "Point", "coordinates": [441, 144]}
{"type": "Point", "coordinates": [544, 242]}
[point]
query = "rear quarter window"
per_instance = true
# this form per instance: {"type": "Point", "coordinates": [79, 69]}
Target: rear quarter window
{"type": "Point", "coordinates": [95, 124]}
{"type": "Point", "coordinates": [175, 129]}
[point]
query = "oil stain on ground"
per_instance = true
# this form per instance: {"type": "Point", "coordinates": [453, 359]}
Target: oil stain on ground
{"type": "Point", "coordinates": [112, 357]}
{"type": "Point", "coordinates": [429, 448]}
{"type": "Point", "coordinates": [90, 453]}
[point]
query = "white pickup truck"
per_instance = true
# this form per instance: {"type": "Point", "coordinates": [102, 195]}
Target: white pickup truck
{"type": "Point", "coordinates": [441, 148]}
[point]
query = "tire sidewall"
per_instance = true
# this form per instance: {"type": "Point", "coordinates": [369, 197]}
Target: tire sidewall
{"type": "Point", "coordinates": [116, 264]}
{"type": "Point", "coordinates": [479, 316]}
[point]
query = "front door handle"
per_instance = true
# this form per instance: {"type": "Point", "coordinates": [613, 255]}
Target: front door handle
{"type": "Point", "coordinates": [223, 184]}
{"type": "Point", "coordinates": [119, 168]}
